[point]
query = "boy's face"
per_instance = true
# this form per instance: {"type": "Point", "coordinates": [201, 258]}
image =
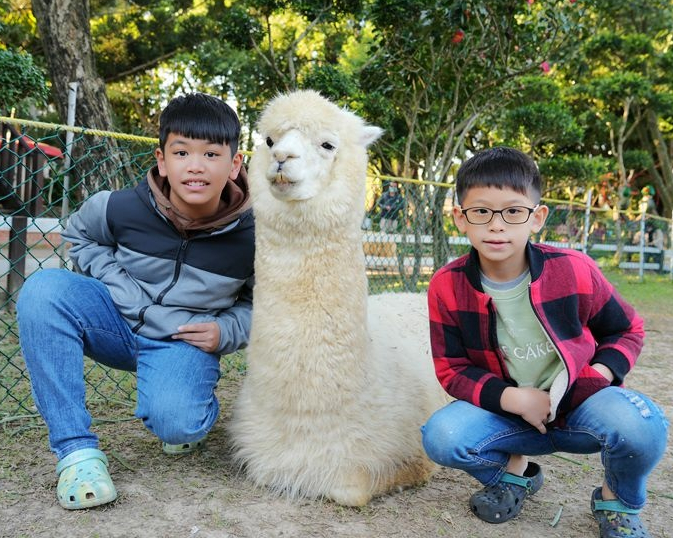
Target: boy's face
{"type": "Point", "coordinates": [197, 171]}
{"type": "Point", "coordinates": [501, 246]}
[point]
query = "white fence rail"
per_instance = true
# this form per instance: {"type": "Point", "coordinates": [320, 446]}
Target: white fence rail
{"type": "Point", "coordinates": [381, 252]}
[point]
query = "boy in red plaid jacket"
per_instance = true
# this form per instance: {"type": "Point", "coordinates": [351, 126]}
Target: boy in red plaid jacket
{"type": "Point", "coordinates": [534, 343]}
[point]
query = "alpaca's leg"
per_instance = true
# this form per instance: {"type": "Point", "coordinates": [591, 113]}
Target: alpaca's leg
{"type": "Point", "coordinates": [358, 487]}
{"type": "Point", "coordinates": [354, 489]}
{"type": "Point", "coordinates": [414, 473]}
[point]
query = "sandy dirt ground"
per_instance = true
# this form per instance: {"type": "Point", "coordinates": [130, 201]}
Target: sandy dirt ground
{"type": "Point", "coordinates": [202, 495]}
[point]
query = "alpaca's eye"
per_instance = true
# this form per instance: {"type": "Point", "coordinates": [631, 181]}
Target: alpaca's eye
{"type": "Point", "coordinates": [269, 142]}
{"type": "Point", "coordinates": [327, 146]}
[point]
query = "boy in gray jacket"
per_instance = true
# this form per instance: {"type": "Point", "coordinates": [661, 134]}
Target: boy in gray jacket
{"type": "Point", "coordinates": [162, 287]}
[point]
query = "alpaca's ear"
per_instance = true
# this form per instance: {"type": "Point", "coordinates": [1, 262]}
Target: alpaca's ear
{"type": "Point", "coordinates": [370, 134]}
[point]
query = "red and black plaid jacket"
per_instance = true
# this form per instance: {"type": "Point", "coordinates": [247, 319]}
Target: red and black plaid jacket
{"type": "Point", "coordinates": [584, 316]}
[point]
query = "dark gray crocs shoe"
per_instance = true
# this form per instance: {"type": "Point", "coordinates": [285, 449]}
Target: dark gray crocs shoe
{"type": "Point", "coordinates": [616, 520]}
{"type": "Point", "coordinates": [504, 500]}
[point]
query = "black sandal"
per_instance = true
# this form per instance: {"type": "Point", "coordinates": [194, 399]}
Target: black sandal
{"type": "Point", "coordinates": [616, 520]}
{"type": "Point", "coordinates": [504, 500]}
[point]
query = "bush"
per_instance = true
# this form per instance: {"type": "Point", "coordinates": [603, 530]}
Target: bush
{"type": "Point", "coordinates": [21, 81]}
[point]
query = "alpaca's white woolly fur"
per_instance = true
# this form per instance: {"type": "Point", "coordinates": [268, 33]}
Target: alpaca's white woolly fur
{"type": "Point", "coordinates": [336, 391]}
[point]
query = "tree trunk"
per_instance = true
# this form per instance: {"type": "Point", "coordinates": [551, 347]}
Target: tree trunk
{"type": "Point", "coordinates": [65, 34]}
{"type": "Point", "coordinates": [663, 174]}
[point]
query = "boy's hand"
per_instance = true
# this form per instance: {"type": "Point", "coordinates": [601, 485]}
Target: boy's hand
{"type": "Point", "coordinates": [604, 371]}
{"type": "Point", "coordinates": [205, 336]}
{"type": "Point", "coordinates": [532, 405]}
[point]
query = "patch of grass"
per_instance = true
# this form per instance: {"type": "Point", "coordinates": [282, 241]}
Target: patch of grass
{"type": "Point", "coordinates": [234, 362]}
{"type": "Point", "coordinates": [654, 294]}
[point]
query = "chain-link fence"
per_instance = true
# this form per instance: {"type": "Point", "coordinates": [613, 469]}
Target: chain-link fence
{"type": "Point", "coordinates": [46, 171]}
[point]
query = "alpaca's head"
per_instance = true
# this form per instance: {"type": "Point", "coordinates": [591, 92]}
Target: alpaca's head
{"type": "Point", "coordinates": [312, 151]}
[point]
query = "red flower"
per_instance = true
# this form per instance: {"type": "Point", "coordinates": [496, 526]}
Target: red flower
{"type": "Point", "coordinates": [458, 37]}
{"type": "Point", "coordinates": [545, 67]}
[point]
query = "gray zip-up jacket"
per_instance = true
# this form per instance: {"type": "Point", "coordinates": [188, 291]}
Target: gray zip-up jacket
{"type": "Point", "coordinates": [158, 278]}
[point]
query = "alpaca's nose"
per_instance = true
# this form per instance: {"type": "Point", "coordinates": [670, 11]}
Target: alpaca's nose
{"type": "Point", "coordinates": [282, 155]}
{"type": "Point", "coordinates": [288, 147]}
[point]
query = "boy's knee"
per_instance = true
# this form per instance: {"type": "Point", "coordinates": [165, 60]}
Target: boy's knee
{"type": "Point", "coordinates": [177, 424]}
{"type": "Point", "coordinates": [39, 287]}
{"type": "Point", "coordinates": [32, 288]}
{"type": "Point", "coordinates": [638, 422]}
{"type": "Point", "coordinates": [439, 441]}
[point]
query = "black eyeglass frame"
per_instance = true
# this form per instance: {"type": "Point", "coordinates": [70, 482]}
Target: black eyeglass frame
{"type": "Point", "coordinates": [531, 210]}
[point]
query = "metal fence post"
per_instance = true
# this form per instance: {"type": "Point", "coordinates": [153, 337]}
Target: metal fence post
{"type": "Point", "coordinates": [587, 221]}
{"type": "Point", "coordinates": [69, 135]}
{"type": "Point", "coordinates": [641, 245]}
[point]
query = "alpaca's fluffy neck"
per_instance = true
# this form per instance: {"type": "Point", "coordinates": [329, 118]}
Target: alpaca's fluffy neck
{"type": "Point", "coordinates": [309, 314]}
{"type": "Point", "coordinates": [295, 258]}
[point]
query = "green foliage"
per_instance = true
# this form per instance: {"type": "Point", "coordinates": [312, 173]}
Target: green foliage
{"type": "Point", "coordinates": [437, 65]}
{"type": "Point", "coordinates": [18, 27]}
{"type": "Point", "coordinates": [570, 172]}
{"type": "Point", "coordinates": [542, 121]}
{"type": "Point", "coordinates": [641, 16]}
{"type": "Point", "coordinates": [610, 48]}
{"type": "Point", "coordinates": [310, 9]}
{"type": "Point", "coordinates": [620, 92]}
{"type": "Point", "coordinates": [21, 81]}
{"type": "Point", "coordinates": [134, 35]}
{"type": "Point", "coordinates": [637, 159]}
{"type": "Point", "coordinates": [536, 88]}
{"type": "Point", "coordinates": [332, 82]}
{"type": "Point", "coordinates": [616, 86]}
{"type": "Point", "coordinates": [234, 26]}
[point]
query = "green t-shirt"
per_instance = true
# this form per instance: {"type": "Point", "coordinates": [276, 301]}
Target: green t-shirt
{"type": "Point", "coordinates": [530, 356]}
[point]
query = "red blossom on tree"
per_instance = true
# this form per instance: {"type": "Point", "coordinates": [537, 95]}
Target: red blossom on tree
{"type": "Point", "coordinates": [458, 37]}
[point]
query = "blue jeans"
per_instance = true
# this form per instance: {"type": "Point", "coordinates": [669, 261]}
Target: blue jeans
{"type": "Point", "coordinates": [62, 317]}
{"type": "Point", "coordinates": [626, 427]}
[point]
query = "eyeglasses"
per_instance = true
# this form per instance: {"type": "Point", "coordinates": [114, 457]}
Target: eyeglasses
{"type": "Point", "coordinates": [516, 214]}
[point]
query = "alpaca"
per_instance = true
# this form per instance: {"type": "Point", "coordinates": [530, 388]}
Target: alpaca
{"type": "Point", "coordinates": [335, 392]}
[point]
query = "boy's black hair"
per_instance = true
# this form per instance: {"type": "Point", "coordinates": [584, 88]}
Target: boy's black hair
{"type": "Point", "coordinates": [198, 115]}
{"type": "Point", "coordinates": [499, 167]}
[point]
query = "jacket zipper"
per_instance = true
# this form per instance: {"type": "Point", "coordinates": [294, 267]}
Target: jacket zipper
{"type": "Point", "coordinates": [492, 336]}
{"type": "Point", "coordinates": [176, 274]}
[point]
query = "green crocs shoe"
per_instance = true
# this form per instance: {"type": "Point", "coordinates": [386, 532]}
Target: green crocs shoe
{"type": "Point", "coordinates": [616, 520]}
{"type": "Point", "coordinates": [184, 448]}
{"type": "Point", "coordinates": [83, 480]}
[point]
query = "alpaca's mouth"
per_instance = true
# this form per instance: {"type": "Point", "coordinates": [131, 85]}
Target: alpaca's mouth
{"type": "Point", "coordinates": [281, 179]}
